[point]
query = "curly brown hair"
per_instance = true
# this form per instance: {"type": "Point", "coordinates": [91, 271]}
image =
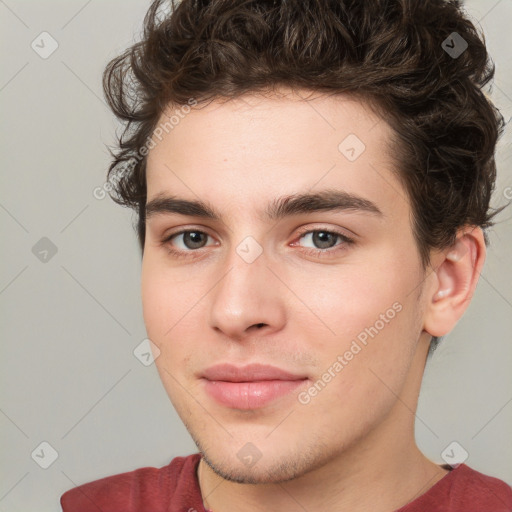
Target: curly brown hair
{"type": "Point", "coordinates": [390, 53]}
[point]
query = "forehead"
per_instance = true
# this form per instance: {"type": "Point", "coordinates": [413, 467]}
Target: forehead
{"type": "Point", "coordinates": [239, 150]}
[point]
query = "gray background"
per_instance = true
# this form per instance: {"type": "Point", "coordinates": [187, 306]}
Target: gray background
{"type": "Point", "coordinates": [70, 324]}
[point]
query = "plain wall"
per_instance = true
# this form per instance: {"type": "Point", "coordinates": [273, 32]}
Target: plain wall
{"type": "Point", "coordinates": [70, 324]}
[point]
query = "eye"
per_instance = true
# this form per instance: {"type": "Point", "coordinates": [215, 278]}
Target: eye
{"type": "Point", "coordinates": [324, 242]}
{"type": "Point", "coordinates": [185, 242]}
{"type": "Point", "coordinates": [321, 239]}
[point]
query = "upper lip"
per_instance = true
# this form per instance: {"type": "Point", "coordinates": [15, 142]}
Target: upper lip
{"type": "Point", "coordinates": [248, 373]}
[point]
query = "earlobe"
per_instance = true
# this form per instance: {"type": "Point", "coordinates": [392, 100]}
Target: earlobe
{"type": "Point", "coordinates": [454, 280]}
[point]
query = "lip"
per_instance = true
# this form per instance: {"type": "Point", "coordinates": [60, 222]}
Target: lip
{"type": "Point", "coordinates": [249, 387]}
{"type": "Point", "coordinates": [249, 373]}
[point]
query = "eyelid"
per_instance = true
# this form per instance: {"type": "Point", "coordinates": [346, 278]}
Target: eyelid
{"type": "Point", "coordinates": [346, 233]}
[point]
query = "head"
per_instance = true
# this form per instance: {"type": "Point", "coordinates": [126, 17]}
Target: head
{"type": "Point", "coordinates": [246, 121]}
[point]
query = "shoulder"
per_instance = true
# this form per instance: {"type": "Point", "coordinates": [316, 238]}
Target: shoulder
{"type": "Point", "coordinates": [146, 488]}
{"type": "Point", "coordinates": [490, 493]}
{"type": "Point", "coordinates": [464, 490]}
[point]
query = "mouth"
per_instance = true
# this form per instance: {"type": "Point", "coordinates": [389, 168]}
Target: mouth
{"type": "Point", "coordinates": [249, 387]}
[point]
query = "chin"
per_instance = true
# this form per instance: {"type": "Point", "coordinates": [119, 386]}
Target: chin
{"type": "Point", "coordinates": [272, 467]}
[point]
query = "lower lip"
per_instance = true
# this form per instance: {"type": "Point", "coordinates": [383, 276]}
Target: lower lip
{"type": "Point", "coordinates": [250, 395]}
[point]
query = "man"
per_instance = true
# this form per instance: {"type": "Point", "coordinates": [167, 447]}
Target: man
{"type": "Point", "coordinates": [313, 183]}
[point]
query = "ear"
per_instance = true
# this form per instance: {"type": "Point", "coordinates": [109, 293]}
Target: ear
{"type": "Point", "coordinates": [453, 281]}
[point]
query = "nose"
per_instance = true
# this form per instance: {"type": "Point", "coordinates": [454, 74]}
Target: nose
{"type": "Point", "coordinates": [247, 299]}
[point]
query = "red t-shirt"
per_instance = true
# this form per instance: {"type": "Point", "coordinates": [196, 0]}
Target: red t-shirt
{"type": "Point", "coordinates": [175, 488]}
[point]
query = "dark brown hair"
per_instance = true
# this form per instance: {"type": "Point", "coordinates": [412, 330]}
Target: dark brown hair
{"type": "Point", "coordinates": [393, 54]}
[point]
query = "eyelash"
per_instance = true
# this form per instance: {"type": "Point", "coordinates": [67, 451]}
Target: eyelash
{"type": "Point", "coordinates": [311, 252]}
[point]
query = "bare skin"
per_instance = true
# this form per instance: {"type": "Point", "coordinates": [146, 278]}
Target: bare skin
{"type": "Point", "coordinates": [351, 446]}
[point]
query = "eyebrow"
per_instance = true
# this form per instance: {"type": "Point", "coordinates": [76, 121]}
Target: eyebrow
{"type": "Point", "coordinates": [326, 200]}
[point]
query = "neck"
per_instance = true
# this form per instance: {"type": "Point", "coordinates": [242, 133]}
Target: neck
{"type": "Point", "coordinates": [359, 485]}
{"type": "Point", "coordinates": [381, 472]}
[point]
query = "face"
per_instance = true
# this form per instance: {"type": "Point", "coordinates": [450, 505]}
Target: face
{"type": "Point", "coordinates": [328, 294]}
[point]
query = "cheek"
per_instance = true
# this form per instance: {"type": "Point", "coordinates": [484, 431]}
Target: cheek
{"type": "Point", "coordinates": [346, 301]}
{"type": "Point", "coordinates": [155, 305]}
{"type": "Point", "coordinates": [159, 310]}
{"type": "Point", "coordinates": [172, 311]}
{"type": "Point", "coordinates": [368, 374]}
{"type": "Point", "coordinates": [370, 319]}
{"type": "Point", "coordinates": [165, 319]}
{"type": "Point", "coordinates": [166, 297]}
